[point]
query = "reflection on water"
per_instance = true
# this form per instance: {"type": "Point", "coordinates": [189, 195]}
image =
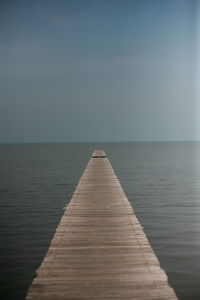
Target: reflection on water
{"type": "Point", "coordinates": [160, 179]}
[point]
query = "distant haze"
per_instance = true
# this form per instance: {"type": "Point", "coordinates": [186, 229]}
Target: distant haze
{"type": "Point", "coordinates": [102, 70]}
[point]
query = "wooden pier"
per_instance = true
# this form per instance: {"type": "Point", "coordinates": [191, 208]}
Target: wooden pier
{"type": "Point", "coordinates": [99, 250]}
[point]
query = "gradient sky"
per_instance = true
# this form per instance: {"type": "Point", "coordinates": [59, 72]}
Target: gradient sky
{"type": "Point", "coordinates": [99, 70]}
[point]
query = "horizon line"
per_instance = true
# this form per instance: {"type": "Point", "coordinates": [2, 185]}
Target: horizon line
{"type": "Point", "coordinates": [100, 142]}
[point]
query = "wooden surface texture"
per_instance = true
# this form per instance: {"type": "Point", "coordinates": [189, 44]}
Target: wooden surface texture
{"type": "Point", "coordinates": [99, 250]}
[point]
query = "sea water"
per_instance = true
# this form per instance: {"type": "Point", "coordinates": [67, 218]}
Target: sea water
{"type": "Point", "coordinates": [162, 181]}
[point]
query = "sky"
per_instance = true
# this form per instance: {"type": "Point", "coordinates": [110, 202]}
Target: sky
{"type": "Point", "coordinates": [99, 70]}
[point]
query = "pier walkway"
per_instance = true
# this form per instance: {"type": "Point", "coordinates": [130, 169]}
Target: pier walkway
{"type": "Point", "coordinates": [99, 250]}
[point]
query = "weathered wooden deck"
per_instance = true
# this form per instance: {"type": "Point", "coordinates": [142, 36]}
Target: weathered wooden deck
{"type": "Point", "coordinates": [99, 250]}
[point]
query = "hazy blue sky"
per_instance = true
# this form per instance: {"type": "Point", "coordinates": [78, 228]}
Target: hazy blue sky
{"type": "Point", "coordinates": [99, 70]}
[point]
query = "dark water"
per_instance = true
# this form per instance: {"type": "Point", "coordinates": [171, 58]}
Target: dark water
{"type": "Point", "coordinates": [162, 180]}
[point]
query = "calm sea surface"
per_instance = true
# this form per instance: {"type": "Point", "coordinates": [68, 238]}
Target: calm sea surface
{"type": "Point", "coordinates": [162, 181]}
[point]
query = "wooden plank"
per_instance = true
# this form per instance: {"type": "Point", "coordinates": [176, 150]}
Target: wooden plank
{"type": "Point", "coordinates": [99, 250]}
{"type": "Point", "coordinates": [99, 154]}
